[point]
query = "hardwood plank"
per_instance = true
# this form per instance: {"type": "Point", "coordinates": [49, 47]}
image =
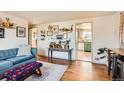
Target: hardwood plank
{"type": "Point", "coordinates": [84, 56]}
{"type": "Point", "coordinates": [79, 70]}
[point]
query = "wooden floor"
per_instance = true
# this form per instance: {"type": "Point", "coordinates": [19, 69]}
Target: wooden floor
{"type": "Point", "coordinates": [81, 70]}
{"type": "Point", "coordinates": [85, 56]}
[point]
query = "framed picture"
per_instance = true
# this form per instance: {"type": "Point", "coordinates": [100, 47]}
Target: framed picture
{"type": "Point", "coordinates": [20, 31]}
{"type": "Point", "coordinates": [65, 35]}
{"type": "Point", "coordinates": [55, 28]}
{"type": "Point", "coordinates": [1, 32]}
{"type": "Point", "coordinates": [34, 35]}
{"type": "Point", "coordinates": [42, 32]}
{"type": "Point", "coordinates": [50, 28]}
{"type": "Point", "coordinates": [49, 33]}
{"type": "Point", "coordinates": [42, 37]}
{"type": "Point", "coordinates": [59, 37]}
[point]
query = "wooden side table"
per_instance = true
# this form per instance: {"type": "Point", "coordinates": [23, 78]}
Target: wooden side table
{"type": "Point", "coordinates": [50, 52]}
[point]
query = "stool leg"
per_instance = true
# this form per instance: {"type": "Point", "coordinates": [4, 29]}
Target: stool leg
{"type": "Point", "coordinates": [39, 72]}
{"type": "Point", "coordinates": [109, 67]}
{"type": "Point", "coordinates": [114, 68]}
{"type": "Point", "coordinates": [109, 62]}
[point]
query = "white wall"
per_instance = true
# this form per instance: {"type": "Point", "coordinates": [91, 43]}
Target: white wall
{"type": "Point", "coordinates": [105, 34]}
{"type": "Point", "coordinates": [43, 45]}
{"type": "Point", "coordinates": [10, 40]}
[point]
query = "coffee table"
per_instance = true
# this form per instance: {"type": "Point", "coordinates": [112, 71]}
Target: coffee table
{"type": "Point", "coordinates": [23, 71]}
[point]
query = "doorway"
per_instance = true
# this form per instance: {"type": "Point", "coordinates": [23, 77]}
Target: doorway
{"type": "Point", "coordinates": [33, 37]}
{"type": "Point", "coordinates": [84, 41]}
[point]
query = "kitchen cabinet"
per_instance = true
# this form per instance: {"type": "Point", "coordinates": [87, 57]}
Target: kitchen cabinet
{"type": "Point", "coordinates": [87, 46]}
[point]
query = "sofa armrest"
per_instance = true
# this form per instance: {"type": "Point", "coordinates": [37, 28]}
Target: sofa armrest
{"type": "Point", "coordinates": [34, 51]}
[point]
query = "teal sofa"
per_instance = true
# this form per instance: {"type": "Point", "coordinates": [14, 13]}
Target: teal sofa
{"type": "Point", "coordinates": [9, 59]}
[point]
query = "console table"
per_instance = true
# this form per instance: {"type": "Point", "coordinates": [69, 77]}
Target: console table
{"type": "Point", "coordinates": [50, 51]}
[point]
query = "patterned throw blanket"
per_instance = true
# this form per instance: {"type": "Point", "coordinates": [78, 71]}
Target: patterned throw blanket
{"type": "Point", "coordinates": [18, 73]}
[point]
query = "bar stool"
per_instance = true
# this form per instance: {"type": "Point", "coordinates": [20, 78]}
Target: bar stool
{"type": "Point", "coordinates": [118, 68]}
{"type": "Point", "coordinates": [111, 54]}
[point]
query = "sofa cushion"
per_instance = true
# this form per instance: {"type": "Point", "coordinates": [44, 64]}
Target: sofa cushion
{"type": "Point", "coordinates": [4, 64]}
{"type": "Point", "coordinates": [24, 50]}
{"type": "Point", "coordinates": [9, 53]}
{"type": "Point", "coordinates": [19, 59]}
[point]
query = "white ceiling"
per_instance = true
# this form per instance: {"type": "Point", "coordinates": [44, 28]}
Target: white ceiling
{"type": "Point", "coordinates": [36, 17]}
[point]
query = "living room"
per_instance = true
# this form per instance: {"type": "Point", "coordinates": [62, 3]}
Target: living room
{"type": "Point", "coordinates": [65, 46]}
{"type": "Point", "coordinates": [53, 44]}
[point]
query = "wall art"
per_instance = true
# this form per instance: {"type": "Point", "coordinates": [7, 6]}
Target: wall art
{"type": "Point", "coordinates": [1, 32]}
{"type": "Point", "coordinates": [50, 28]}
{"type": "Point", "coordinates": [49, 33]}
{"type": "Point", "coordinates": [65, 35]}
{"type": "Point", "coordinates": [56, 28]}
{"type": "Point", "coordinates": [43, 35]}
{"type": "Point", "coordinates": [20, 31]}
{"type": "Point", "coordinates": [59, 37]}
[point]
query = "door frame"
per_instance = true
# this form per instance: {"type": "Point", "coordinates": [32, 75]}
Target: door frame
{"type": "Point", "coordinates": [30, 36]}
{"type": "Point", "coordinates": [91, 42]}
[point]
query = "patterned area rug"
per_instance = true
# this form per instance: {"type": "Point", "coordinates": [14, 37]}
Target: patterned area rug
{"type": "Point", "coordinates": [50, 72]}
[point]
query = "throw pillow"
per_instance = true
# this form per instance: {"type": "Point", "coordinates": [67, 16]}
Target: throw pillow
{"type": "Point", "coordinates": [24, 50]}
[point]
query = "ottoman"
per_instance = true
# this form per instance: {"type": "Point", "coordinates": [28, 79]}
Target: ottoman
{"type": "Point", "coordinates": [23, 71]}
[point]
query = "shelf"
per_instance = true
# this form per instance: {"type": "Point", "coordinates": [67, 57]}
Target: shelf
{"type": "Point", "coordinates": [8, 28]}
